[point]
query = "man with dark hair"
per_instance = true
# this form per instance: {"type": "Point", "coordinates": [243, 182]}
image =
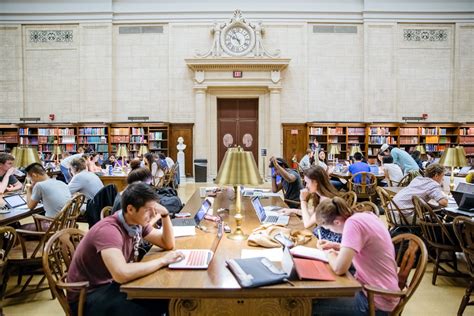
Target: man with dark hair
{"type": "Point", "coordinates": [8, 182]}
{"type": "Point", "coordinates": [401, 158]}
{"type": "Point", "coordinates": [83, 181]}
{"type": "Point", "coordinates": [290, 181]}
{"type": "Point", "coordinates": [358, 166]}
{"type": "Point", "coordinates": [52, 193]}
{"type": "Point", "coordinates": [393, 172]}
{"type": "Point", "coordinates": [107, 256]}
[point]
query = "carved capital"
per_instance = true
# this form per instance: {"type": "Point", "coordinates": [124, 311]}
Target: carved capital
{"type": "Point", "coordinates": [199, 76]}
{"type": "Point", "coordinates": [276, 76]}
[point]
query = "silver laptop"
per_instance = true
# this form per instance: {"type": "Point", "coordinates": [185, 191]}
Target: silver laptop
{"type": "Point", "coordinates": [269, 215]}
{"type": "Point", "coordinates": [205, 206]}
{"type": "Point", "coordinates": [14, 201]}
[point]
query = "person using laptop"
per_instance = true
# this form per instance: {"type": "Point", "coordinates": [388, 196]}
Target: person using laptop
{"type": "Point", "coordinates": [107, 256]}
{"type": "Point", "coordinates": [426, 188]}
{"type": "Point", "coordinates": [358, 166]}
{"type": "Point", "coordinates": [8, 182]}
{"type": "Point", "coordinates": [290, 183]}
{"type": "Point", "coordinates": [366, 243]}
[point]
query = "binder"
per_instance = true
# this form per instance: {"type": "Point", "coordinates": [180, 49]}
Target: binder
{"type": "Point", "coordinates": [255, 272]}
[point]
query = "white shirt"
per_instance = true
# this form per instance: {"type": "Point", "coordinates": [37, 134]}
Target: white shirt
{"type": "Point", "coordinates": [394, 171]}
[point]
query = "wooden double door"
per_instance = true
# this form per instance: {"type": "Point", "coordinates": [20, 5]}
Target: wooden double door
{"type": "Point", "coordinates": [237, 125]}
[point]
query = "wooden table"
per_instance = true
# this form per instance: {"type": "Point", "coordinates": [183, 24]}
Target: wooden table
{"type": "Point", "coordinates": [347, 175]}
{"type": "Point", "coordinates": [216, 291]}
{"type": "Point", "coordinates": [17, 214]}
{"type": "Point", "coordinates": [392, 190]}
{"type": "Point", "coordinates": [120, 181]}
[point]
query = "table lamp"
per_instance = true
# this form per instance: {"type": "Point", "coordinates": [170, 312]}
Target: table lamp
{"type": "Point", "coordinates": [143, 150]}
{"type": "Point", "coordinates": [14, 151]}
{"type": "Point", "coordinates": [123, 152]}
{"type": "Point", "coordinates": [421, 149]}
{"type": "Point", "coordinates": [25, 156]}
{"type": "Point", "coordinates": [333, 151]}
{"type": "Point", "coordinates": [453, 157]}
{"type": "Point", "coordinates": [56, 152]}
{"type": "Point", "coordinates": [354, 149]}
{"type": "Point", "coordinates": [238, 168]}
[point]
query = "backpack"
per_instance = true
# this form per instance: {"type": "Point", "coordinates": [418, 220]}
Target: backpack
{"type": "Point", "coordinates": [169, 198]}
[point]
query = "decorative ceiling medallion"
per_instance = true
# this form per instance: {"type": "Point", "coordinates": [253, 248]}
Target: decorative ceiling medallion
{"type": "Point", "coordinates": [237, 38]}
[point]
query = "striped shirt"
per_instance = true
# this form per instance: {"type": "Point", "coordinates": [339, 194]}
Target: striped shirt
{"type": "Point", "coordinates": [425, 188]}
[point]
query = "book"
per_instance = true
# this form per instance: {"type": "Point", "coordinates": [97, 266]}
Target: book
{"type": "Point", "coordinates": [308, 269]}
{"type": "Point", "coordinates": [309, 253]}
{"type": "Point", "coordinates": [255, 272]}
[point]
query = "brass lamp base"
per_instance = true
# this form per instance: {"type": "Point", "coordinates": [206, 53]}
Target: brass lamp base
{"type": "Point", "coordinates": [238, 234]}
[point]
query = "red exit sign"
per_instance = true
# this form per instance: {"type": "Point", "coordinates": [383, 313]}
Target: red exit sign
{"type": "Point", "coordinates": [237, 74]}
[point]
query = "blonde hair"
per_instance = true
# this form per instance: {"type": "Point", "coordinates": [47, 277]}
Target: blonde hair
{"type": "Point", "coordinates": [328, 210]}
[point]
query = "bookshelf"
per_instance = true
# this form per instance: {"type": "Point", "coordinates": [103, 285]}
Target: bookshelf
{"type": "Point", "coordinates": [158, 137]}
{"type": "Point", "coordinates": [438, 138]}
{"type": "Point", "coordinates": [94, 137]}
{"type": "Point", "coordinates": [377, 135]}
{"type": "Point", "coordinates": [466, 139]}
{"type": "Point", "coordinates": [8, 137]}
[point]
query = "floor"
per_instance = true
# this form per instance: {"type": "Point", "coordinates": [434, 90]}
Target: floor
{"type": "Point", "coordinates": [442, 299]}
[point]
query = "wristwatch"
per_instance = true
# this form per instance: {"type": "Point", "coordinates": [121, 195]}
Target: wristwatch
{"type": "Point", "coordinates": [165, 215]}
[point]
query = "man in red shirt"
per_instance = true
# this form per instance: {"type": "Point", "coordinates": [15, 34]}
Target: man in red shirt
{"type": "Point", "coordinates": [107, 256]}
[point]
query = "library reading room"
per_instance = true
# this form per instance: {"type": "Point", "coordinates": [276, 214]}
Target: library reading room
{"type": "Point", "coordinates": [304, 157]}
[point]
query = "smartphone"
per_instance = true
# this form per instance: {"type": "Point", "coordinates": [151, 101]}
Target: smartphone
{"type": "Point", "coordinates": [278, 177]}
{"type": "Point", "coordinates": [227, 228]}
{"type": "Point", "coordinates": [285, 241]}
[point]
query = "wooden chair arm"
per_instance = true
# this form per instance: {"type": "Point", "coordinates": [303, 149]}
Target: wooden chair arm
{"type": "Point", "coordinates": [42, 218]}
{"type": "Point", "coordinates": [380, 291]}
{"type": "Point", "coordinates": [72, 285]}
{"type": "Point", "coordinates": [21, 232]}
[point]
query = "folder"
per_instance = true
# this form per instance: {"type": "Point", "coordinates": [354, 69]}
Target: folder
{"type": "Point", "coordinates": [255, 272]}
{"type": "Point", "coordinates": [308, 269]}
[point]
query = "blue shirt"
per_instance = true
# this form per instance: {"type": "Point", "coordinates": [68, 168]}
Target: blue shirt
{"type": "Point", "coordinates": [358, 167]}
{"type": "Point", "coordinates": [404, 160]}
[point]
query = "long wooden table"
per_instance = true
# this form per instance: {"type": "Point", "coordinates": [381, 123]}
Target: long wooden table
{"type": "Point", "coordinates": [120, 181]}
{"type": "Point", "coordinates": [216, 291]}
{"type": "Point", "coordinates": [17, 214]}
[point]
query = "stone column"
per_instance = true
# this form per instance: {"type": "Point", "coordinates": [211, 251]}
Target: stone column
{"type": "Point", "coordinates": [274, 148]}
{"type": "Point", "coordinates": [201, 139]}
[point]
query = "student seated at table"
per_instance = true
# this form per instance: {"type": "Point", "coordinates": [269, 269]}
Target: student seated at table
{"type": "Point", "coordinates": [107, 256]}
{"type": "Point", "coordinates": [290, 180]}
{"type": "Point", "coordinates": [393, 173]}
{"type": "Point", "coordinates": [92, 162]}
{"type": "Point", "coordinates": [358, 166]}
{"type": "Point", "coordinates": [426, 188]}
{"type": "Point", "coordinates": [109, 162]}
{"type": "Point", "coordinates": [318, 188]}
{"type": "Point", "coordinates": [8, 182]}
{"type": "Point", "coordinates": [83, 181]}
{"type": "Point", "coordinates": [307, 160]}
{"type": "Point", "coordinates": [53, 193]}
{"type": "Point", "coordinates": [367, 245]}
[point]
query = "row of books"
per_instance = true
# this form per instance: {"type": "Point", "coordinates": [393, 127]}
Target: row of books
{"type": "Point", "coordinates": [316, 130]}
{"type": "Point", "coordinates": [119, 131]}
{"type": "Point", "coordinates": [336, 131]}
{"type": "Point", "coordinates": [28, 140]}
{"type": "Point", "coordinates": [356, 131]}
{"type": "Point", "coordinates": [466, 140]}
{"type": "Point", "coordinates": [156, 136]}
{"type": "Point", "coordinates": [138, 139]}
{"type": "Point", "coordinates": [92, 131]}
{"type": "Point", "coordinates": [404, 140]}
{"type": "Point", "coordinates": [379, 131]}
{"type": "Point", "coordinates": [409, 131]}
{"type": "Point", "coordinates": [120, 139]}
{"type": "Point", "coordinates": [382, 140]}
{"type": "Point", "coordinates": [429, 147]}
{"type": "Point", "coordinates": [466, 131]}
{"type": "Point", "coordinates": [138, 131]}
{"type": "Point", "coordinates": [437, 139]}
{"type": "Point", "coordinates": [92, 140]}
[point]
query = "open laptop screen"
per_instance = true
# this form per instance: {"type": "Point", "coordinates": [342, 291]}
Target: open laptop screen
{"type": "Point", "coordinates": [206, 204]}
{"type": "Point", "coordinates": [374, 169]}
{"type": "Point", "coordinates": [258, 208]}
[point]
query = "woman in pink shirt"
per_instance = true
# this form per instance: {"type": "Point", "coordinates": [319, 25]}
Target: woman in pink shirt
{"type": "Point", "coordinates": [367, 245]}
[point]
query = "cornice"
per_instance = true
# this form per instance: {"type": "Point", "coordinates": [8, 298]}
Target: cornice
{"type": "Point", "coordinates": [231, 63]}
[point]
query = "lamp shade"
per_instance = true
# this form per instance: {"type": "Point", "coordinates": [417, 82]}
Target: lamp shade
{"type": "Point", "coordinates": [122, 151]}
{"type": "Point", "coordinates": [143, 150]}
{"type": "Point", "coordinates": [421, 149]}
{"type": "Point", "coordinates": [453, 157]}
{"type": "Point", "coordinates": [238, 168]}
{"type": "Point", "coordinates": [57, 150]}
{"type": "Point", "coordinates": [333, 149]}
{"type": "Point", "coordinates": [354, 149]}
{"type": "Point", "coordinates": [14, 151]}
{"type": "Point", "coordinates": [25, 156]}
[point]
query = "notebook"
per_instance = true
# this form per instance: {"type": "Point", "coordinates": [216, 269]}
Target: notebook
{"type": "Point", "coordinates": [309, 253]}
{"type": "Point", "coordinates": [198, 259]}
{"type": "Point", "coordinates": [14, 201]}
{"type": "Point", "coordinates": [305, 269]}
{"type": "Point", "coordinates": [205, 206]}
{"type": "Point", "coordinates": [268, 214]}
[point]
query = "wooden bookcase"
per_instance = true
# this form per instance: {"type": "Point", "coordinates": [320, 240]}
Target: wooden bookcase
{"type": "Point", "coordinates": [434, 137]}
{"type": "Point", "coordinates": [158, 138]}
{"type": "Point", "coordinates": [8, 137]}
{"type": "Point", "coordinates": [94, 137]}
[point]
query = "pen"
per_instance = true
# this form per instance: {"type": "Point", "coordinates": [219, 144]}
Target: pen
{"type": "Point", "coordinates": [319, 234]}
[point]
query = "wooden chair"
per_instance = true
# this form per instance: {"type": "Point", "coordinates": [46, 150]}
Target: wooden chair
{"type": "Point", "coordinates": [70, 220]}
{"type": "Point", "coordinates": [440, 237]}
{"type": "Point", "coordinates": [366, 206]}
{"type": "Point", "coordinates": [397, 221]}
{"type": "Point", "coordinates": [364, 184]}
{"type": "Point", "coordinates": [405, 181]}
{"type": "Point", "coordinates": [464, 230]}
{"type": "Point", "coordinates": [26, 257]}
{"type": "Point", "coordinates": [7, 241]}
{"type": "Point", "coordinates": [106, 211]}
{"type": "Point", "coordinates": [411, 254]}
{"type": "Point", "coordinates": [57, 257]}
{"type": "Point", "coordinates": [350, 198]}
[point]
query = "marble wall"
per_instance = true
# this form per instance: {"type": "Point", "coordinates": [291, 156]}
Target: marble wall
{"type": "Point", "coordinates": [373, 71]}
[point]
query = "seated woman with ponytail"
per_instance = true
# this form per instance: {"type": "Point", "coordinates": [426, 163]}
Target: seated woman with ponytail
{"type": "Point", "coordinates": [365, 243]}
{"type": "Point", "coordinates": [318, 188]}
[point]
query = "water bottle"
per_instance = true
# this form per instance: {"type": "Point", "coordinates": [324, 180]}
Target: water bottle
{"type": "Point", "coordinates": [111, 168]}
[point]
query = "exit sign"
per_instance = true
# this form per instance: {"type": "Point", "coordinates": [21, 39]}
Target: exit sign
{"type": "Point", "coordinates": [237, 74]}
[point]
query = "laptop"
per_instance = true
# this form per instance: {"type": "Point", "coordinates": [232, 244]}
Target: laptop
{"type": "Point", "coordinates": [464, 171]}
{"type": "Point", "coordinates": [374, 169]}
{"type": "Point", "coordinates": [268, 214]}
{"type": "Point", "coordinates": [205, 206]}
{"type": "Point", "coordinates": [14, 201]}
{"type": "Point", "coordinates": [465, 187]}
{"type": "Point", "coordinates": [467, 202]}
{"type": "Point", "coordinates": [198, 259]}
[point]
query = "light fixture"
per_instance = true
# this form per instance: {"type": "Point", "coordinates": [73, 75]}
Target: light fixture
{"type": "Point", "coordinates": [143, 150]}
{"type": "Point", "coordinates": [355, 149]}
{"type": "Point", "coordinates": [453, 157]}
{"type": "Point", "coordinates": [25, 156]}
{"type": "Point", "coordinates": [333, 151]}
{"type": "Point", "coordinates": [238, 168]}
{"type": "Point", "coordinates": [123, 152]}
{"type": "Point", "coordinates": [421, 149]}
{"type": "Point", "coordinates": [56, 152]}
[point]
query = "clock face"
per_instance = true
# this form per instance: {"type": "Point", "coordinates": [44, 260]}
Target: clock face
{"type": "Point", "coordinates": [237, 40]}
